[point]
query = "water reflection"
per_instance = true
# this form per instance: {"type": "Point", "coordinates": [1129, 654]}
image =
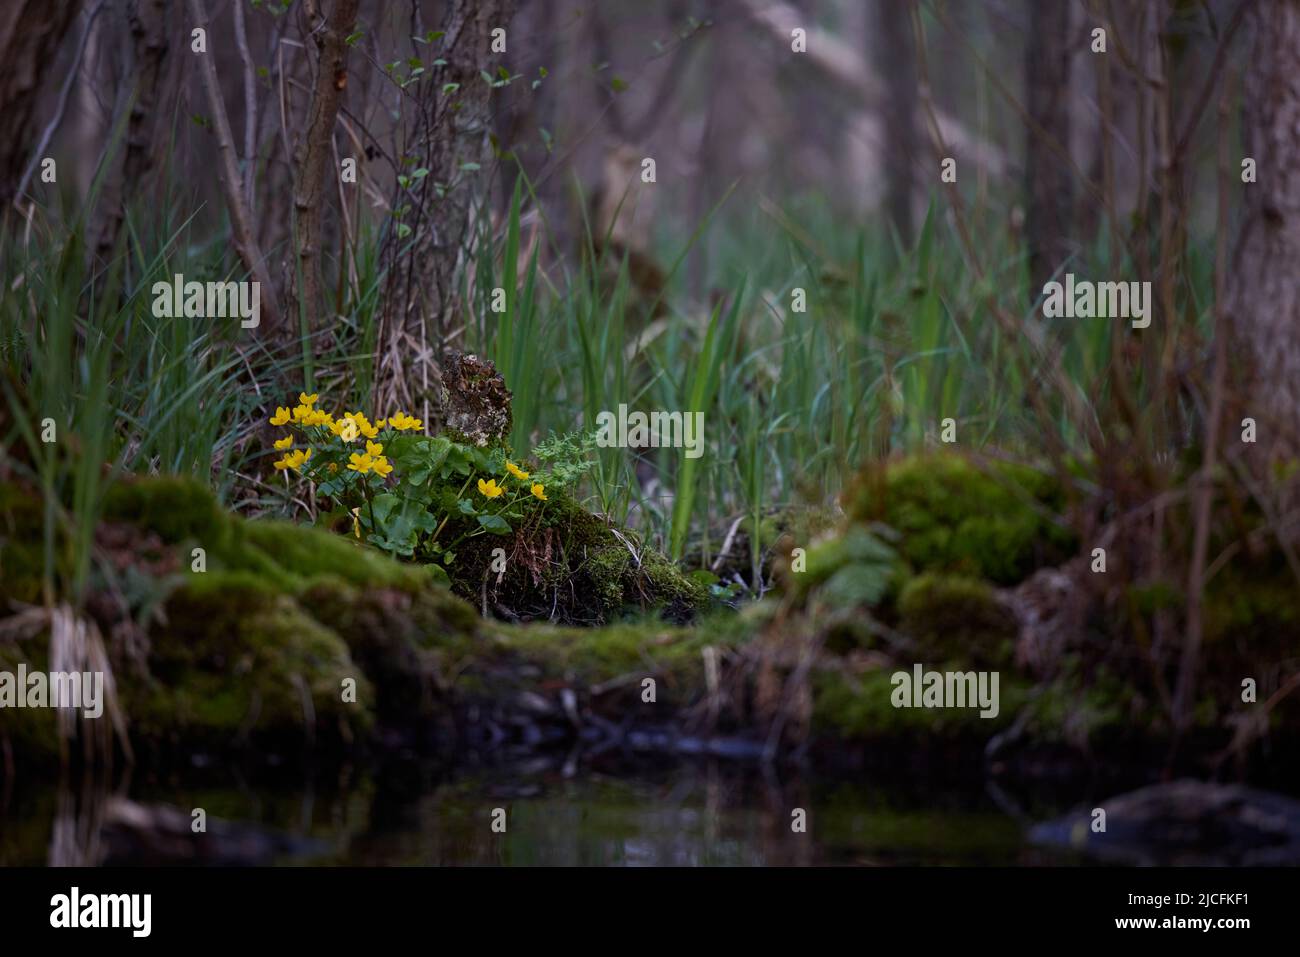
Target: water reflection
{"type": "Point", "coordinates": [686, 813]}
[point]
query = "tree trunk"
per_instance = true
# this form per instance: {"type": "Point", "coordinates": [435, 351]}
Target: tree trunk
{"type": "Point", "coordinates": [314, 157]}
{"type": "Point", "coordinates": [896, 51]}
{"type": "Point", "coordinates": [1263, 295]}
{"type": "Point", "coordinates": [1049, 187]}
{"type": "Point", "coordinates": [450, 140]}
{"type": "Point", "coordinates": [147, 22]}
{"type": "Point", "coordinates": [31, 32]}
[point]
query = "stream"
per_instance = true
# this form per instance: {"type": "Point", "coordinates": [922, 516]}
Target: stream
{"type": "Point", "coordinates": [683, 812]}
{"type": "Point", "coordinates": [548, 808]}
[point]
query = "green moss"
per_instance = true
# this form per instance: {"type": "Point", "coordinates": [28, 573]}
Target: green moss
{"type": "Point", "coordinates": [261, 641]}
{"type": "Point", "coordinates": [177, 509]}
{"type": "Point", "coordinates": [305, 554]}
{"type": "Point", "coordinates": [955, 517]}
{"type": "Point", "coordinates": [589, 656]}
{"type": "Point", "coordinates": [605, 567]}
{"type": "Point", "coordinates": [668, 583]}
{"type": "Point", "coordinates": [860, 707]}
{"type": "Point", "coordinates": [567, 562]}
{"type": "Point", "coordinates": [578, 528]}
{"type": "Point", "coordinates": [237, 657]}
{"type": "Point", "coordinates": [407, 641]}
{"type": "Point", "coordinates": [952, 618]}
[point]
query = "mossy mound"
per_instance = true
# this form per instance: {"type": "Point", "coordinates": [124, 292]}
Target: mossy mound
{"type": "Point", "coordinates": [857, 705]}
{"type": "Point", "coordinates": [235, 656]}
{"type": "Point", "coordinates": [932, 515]}
{"type": "Point", "coordinates": [996, 523]}
{"type": "Point", "coordinates": [567, 565]}
{"type": "Point", "coordinates": [911, 577]}
{"type": "Point", "coordinates": [957, 619]}
{"type": "Point", "coordinates": [289, 556]}
{"type": "Point", "coordinates": [257, 631]}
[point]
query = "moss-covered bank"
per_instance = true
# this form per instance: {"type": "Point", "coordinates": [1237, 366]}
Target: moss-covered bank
{"type": "Point", "coordinates": [225, 632]}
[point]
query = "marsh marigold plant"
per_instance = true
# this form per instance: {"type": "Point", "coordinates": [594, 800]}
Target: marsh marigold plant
{"type": "Point", "coordinates": [409, 493]}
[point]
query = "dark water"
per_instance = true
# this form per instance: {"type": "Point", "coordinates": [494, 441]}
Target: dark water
{"type": "Point", "coordinates": [686, 813]}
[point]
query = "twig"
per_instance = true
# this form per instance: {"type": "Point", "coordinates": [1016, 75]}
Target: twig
{"type": "Point", "coordinates": [726, 543]}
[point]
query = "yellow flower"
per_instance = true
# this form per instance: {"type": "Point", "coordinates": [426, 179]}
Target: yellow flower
{"type": "Point", "coordinates": [315, 417]}
{"type": "Point", "coordinates": [306, 399]}
{"type": "Point", "coordinates": [356, 521]}
{"type": "Point", "coordinates": [381, 467]}
{"type": "Point", "coordinates": [490, 489]}
{"type": "Point", "coordinates": [333, 468]}
{"type": "Point", "coordinates": [293, 460]}
{"type": "Point", "coordinates": [539, 491]}
{"type": "Point", "coordinates": [347, 430]}
{"type": "Point", "coordinates": [284, 443]}
{"type": "Point", "coordinates": [374, 449]}
{"type": "Point", "coordinates": [381, 424]}
{"type": "Point", "coordinates": [362, 424]}
{"type": "Point", "coordinates": [281, 416]}
{"type": "Point", "coordinates": [516, 471]}
{"type": "Point", "coordinates": [360, 463]}
{"type": "Point", "coordinates": [402, 422]}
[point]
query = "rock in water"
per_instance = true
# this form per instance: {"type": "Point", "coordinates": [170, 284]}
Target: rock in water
{"type": "Point", "coordinates": [1184, 822]}
{"type": "Point", "coordinates": [475, 400]}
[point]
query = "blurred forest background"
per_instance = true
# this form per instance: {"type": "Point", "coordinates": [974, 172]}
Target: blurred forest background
{"type": "Point", "coordinates": [784, 173]}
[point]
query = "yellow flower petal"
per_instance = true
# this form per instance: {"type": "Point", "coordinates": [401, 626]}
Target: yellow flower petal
{"type": "Point", "coordinates": [374, 448]}
{"type": "Point", "coordinates": [284, 443]}
{"type": "Point", "coordinates": [516, 471]}
{"type": "Point", "coordinates": [281, 416]}
{"type": "Point", "coordinates": [306, 399]}
{"type": "Point", "coordinates": [539, 491]}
